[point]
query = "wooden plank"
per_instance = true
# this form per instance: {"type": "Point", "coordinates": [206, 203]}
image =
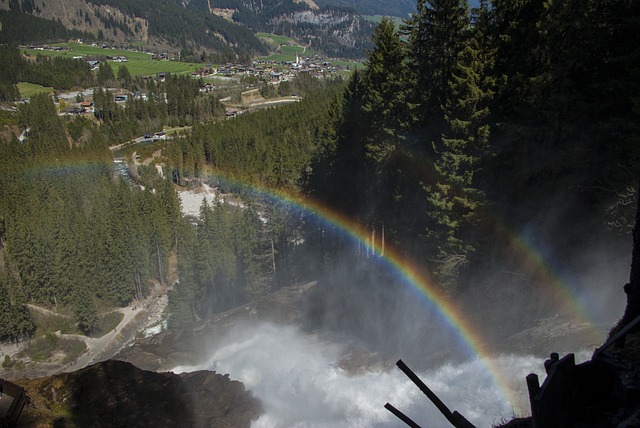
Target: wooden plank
{"type": "Point", "coordinates": [404, 418]}
{"type": "Point", "coordinates": [455, 419]}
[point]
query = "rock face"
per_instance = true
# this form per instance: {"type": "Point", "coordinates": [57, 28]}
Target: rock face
{"type": "Point", "coordinates": [118, 394]}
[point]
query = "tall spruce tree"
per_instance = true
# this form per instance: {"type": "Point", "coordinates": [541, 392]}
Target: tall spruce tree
{"type": "Point", "coordinates": [437, 32]}
{"type": "Point", "coordinates": [374, 118]}
{"type": "Point", "coordinates": [455, 198]}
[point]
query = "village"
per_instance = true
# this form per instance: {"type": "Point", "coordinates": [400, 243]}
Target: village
{"type": "Point", "coordinates": [245, 79]}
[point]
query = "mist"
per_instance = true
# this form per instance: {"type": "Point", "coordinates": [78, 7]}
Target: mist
{"type": "Point", "coordinates": [332, 364]}
{"type": "Point", "coordinates": [301, 383]}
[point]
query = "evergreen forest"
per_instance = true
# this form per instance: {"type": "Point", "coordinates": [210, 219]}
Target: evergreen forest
{"type": "Point", "coordinates": [525, 111]}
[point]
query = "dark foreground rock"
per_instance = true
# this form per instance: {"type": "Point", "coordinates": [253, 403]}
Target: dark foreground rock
{"type": "Point", "coordinates": [118, 394]}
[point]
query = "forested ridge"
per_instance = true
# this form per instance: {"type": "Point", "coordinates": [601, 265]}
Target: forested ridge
{"type": "Point", "coordinates": [192, 28]}
{"type": "Point", "coordinates": [71, 235]}
{"type": "Point", "coordinates": [78, 238]}
{"type": "Point", "coordinates": [511, 110]}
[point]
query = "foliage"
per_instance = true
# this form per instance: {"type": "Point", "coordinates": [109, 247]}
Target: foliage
{"type": "Point", "coordinates": [138, 63]}
{"type": "Point", "coordinates": [71, 234]}
{"type": "Point", "coordinates": [41, 30]}
{"type": "Point", "coordinates": [43, 347]}
{"type": "Point", "coordinates": [485, 111]}
{"type": "Point", "coordinates": [221, 268]}
{"type": "Point", "coordinates": [107, 322]}
{"type": "Point", "coordinates": [171, 21]}
{"type": "Point", "coordinates": [269, 148]}
{"type": "Point", "coordinates": [72, 349]}
{"type": "Point", "coordinates": [8, 363]}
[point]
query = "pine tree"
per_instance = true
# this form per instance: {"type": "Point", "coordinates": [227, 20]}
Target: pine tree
{"type": "Point", "coordinates": [105, 75]}
{"type": "Point", "coordinates": [22, 323]}
{"type": "Point", "coordinates": [455, 197]}
{"type": "Point", "coordinates": [84, 309]}
{"type": "Point", "coordinates": [437, 32]}
{"type": "Point", "coordinates": [385, 100]}
{"type": "Point", "coordinates": [47, 138]}
{"type": "Point", "coordinates": [183, 298]}
{"type": "Point", "coordinates": [6, 309]}
{"type": "Point", "coordinates": [124, 76]}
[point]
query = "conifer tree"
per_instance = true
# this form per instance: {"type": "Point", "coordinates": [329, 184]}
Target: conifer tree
{"type": "Point", "coordinates": [437, 32]}
{"type": "Point", "coordinates": [105, 74]}
{"type": "Point", "coordinates": [184, 296]}
{"type": "Point", "coordinates": [21, 322]}
{"type": "Point", "coordinates": [84, 309]}
{"type": "Point", "coordinates": [47, 136]}
{"type": "Point", "coordinates": [124, 76]}
{"type": "Point", "coordinates": [6, 309]}
{"type": "Point", "coordinates": [455, 198]}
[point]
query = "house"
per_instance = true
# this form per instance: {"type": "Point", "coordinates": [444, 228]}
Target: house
{"type": "Point", "coordinates": [87, 106]}
{"type": "Point", "coordinates": [72, 111]}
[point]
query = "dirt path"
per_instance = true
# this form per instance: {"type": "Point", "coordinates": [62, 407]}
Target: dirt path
{"type": "Point", "coordinates": [95, 346]}
{"type": "Point", "coordinates": [46, 311]}
{"type": "Point", "coordinates": [137, 317]}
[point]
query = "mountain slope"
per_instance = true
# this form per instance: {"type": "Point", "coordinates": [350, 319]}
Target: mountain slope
{"type": "Point", "coordinates": [400, 8]}
{"type": "Point", "coordinates": [225, 32]}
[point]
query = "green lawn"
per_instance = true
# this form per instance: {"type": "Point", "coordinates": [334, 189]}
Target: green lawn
{"type": "Point", "coordinates": [293, 50]}
{"type": "Point", "coordinates": [278, 57]}
{"type": "Point", "coordinates": [275, 39]}
{"type": "Point", "coordinates": [346, 63]}
{"type": "Point", "coordinates": [150, 67]}
{"type": "Point", "coordinates": [28, 89]}
{"type": "Point", "coordinates": [288, 53]}
{"type": "Point", "coordinates": [138, 63]}
{"type": "Point", "coordinates": [285, 48]}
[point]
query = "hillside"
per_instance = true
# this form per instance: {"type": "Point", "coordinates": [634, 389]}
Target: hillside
{"type": "Point", "coordinates": [400, 8]}
{"type": "Point", "coordinates": [221, 34]}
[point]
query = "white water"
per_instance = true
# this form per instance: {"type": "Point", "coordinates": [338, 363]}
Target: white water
{"type": "Point", "coordinates": [300, 384]}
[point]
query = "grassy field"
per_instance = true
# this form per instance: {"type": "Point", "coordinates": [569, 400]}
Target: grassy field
{"type": "Point", "coordinates": [285, 48]}
{"type": "Point", "coordinates": [138, 63]}
{"type": "Point", "coordinates": [275, 39]}
{"type": "Point", "coordinates": [28, 89]}
{"type": "Point", "coordinates": [346, 63]}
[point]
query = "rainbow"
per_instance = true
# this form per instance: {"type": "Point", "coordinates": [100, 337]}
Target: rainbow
{"type": "Point", "coordinates": [423, 284]}
{"type": "Point", "coordinates": [467, 334]}
{"type": "Point", "coordinates": [555, 286]}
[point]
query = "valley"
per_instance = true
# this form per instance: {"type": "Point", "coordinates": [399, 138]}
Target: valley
{"type": "Point", "coordinates": [245, 214]}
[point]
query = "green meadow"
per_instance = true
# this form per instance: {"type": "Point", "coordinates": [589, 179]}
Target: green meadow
{"type": "Point", "coordinates": [284, 48]}
{"type": "Point", "coordinates": [28, 89]}
{"type": "Point", "coordinates": [275, 39]}
{"type": "Point", "coordinates": [138, 63]}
